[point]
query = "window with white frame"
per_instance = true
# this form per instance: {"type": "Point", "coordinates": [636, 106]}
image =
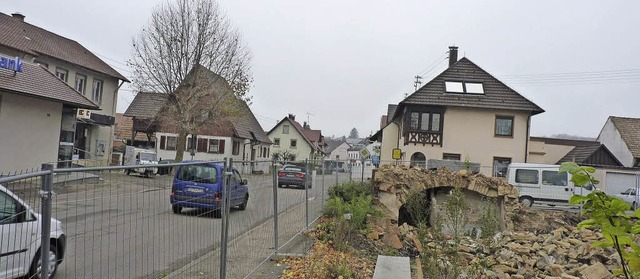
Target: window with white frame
{"type": "Point", "coordinates": [285, 129]}
{"type": "Point", "coordinates": [463, 87]}
{"type": "Point", "coordinates": [214, 146]}
{"type": "Point", "coordinates": [81, 83]}
{"type": "Point", "coordinates": [62, 74]}
{"type": "Point", "coordinates": [96, 91]}
{"type": "Point", "coordinates": [276, 141]}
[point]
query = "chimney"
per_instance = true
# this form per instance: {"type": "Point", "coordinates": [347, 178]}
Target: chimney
{"type": "Point", "coordinates": [306, 126]}
{"type": "Point", "coordinates": [18, 15]}
{"type": "Point", "coordinates": [453, 55]}
{"type": "Point", "coordinates": [292, 117]}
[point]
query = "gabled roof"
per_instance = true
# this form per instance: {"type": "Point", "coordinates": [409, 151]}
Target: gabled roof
{"type": "Point", "coordinates": [559, 141]}
{"type": "Point", "coordinates": [245, 126]}
{"type": "Point", "coordinates": [24, 37]}
{"type": "Point", "coordinates": [35, 81]}
{"type": "Point", "coordinates": [333, 144]}
{"type": "Point", "coordinates": [391, 110]}
{"type": "Point", "coordinates": [629, 129]}
{"type": "Point", "coordinates": [497, 95]}
{"type": "Point", "coordinates": [298, 128]}
{"type": "Point", "coordinates": [146, 105]}
{"type": "Point", "coordinates": [312, 135]}
{"type": "Point", "coordinates": [593, 154]}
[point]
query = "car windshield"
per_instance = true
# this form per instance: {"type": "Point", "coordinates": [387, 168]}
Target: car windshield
{"type": "Point", "coordinates": [629, 191]}
{"type": "Point", "coordinates": [147, 156]}
{"type": "Point", "coordinates": [200, 174]}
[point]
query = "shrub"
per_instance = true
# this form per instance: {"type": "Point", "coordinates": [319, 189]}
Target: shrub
{"type": "Point", "coordinates": [350, 190]}
{"type": "Point", "coordinates": [489, 224]}
{"type": "Point", "coordinates": [337, 270]}
{"type": "Point", "coordinates": [417, 206]}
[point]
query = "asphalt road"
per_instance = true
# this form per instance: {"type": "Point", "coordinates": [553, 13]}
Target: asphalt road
{"type": "Point", "coordinates": [124, 226]}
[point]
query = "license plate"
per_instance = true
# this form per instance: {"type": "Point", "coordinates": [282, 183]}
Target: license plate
{"type": "Point", "coordinates": [292, 175]}
{"type": "Point", "coordinates": [195, 190]}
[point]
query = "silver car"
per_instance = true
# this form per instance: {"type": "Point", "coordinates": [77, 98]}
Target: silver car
{"type": "Point", "coordinates": [629, 196]}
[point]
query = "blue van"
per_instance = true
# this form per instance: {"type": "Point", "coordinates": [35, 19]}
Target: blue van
{"type": "Point", "coordinates": [200, 186]}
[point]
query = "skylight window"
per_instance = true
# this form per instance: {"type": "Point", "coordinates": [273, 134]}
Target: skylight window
{"type": "Point", "coordinates": [475, 88]}
{"type": "Point", "coordinates": [464, 87]}
{"type": "Point", "coordinates": [453, 86]}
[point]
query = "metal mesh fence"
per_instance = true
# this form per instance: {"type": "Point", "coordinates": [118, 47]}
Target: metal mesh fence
{"type": "Point", "coordinates": [168, 221]}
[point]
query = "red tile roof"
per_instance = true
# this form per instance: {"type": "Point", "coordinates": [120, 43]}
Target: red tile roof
{"type": "Point", "coordinates": [36, 41]}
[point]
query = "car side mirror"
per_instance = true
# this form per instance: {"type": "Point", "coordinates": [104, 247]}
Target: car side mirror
{"type": "Point", "coordinates": [244, 182]}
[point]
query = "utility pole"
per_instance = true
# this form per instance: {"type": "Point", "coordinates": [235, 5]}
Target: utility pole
{"type": "Point", "coordinates": [417, 82]}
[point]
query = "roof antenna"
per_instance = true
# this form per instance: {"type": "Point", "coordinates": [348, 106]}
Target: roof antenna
{"type": "Point", "coordinates": [308, 113]}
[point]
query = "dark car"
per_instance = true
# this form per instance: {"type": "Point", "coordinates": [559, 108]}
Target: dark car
{"type": "Point", "coordinates": [200, 186]}
{"type": "Point", "coordinates": [292, 175]}
{"type": "Point", "coordinates": [165, 170]}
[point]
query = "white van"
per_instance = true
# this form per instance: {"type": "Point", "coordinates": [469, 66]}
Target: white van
{"type": "Point", "coordinates": [543, 183]}
{"type": "Point", "coordinates": [20, 230]}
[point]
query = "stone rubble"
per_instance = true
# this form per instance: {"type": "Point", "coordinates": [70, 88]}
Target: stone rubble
{"type": "Point", "coordinates": [535, 244]}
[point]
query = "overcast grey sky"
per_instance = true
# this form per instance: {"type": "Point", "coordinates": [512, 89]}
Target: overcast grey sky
{"type": "Point", "coordinates": [344, 61]}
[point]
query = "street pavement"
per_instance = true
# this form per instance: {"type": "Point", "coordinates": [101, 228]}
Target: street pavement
{"type": "Point", "coordinates": [123, 227]}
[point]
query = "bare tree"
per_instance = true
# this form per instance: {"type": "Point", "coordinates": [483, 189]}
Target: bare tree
{"type": "Point", "coordinates": [190, 51]}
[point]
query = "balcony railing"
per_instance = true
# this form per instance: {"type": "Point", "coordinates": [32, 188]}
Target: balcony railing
{"type": "Point", "coordinates": [423, 137]}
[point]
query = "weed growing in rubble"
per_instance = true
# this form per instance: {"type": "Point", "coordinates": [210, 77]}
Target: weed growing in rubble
{"type": "Point", "coordinates": [488, 222]}
{"type": "Point", "coordinates": [608, 213]}
{"type": "Point", "coordinates": [417, 206]}
{"type": "Point", "coordinates": [455, 210]}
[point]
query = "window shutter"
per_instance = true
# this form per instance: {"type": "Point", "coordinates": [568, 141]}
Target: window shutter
{"type": "Point", "coordinates": [221, 146]}
{"type": "Point", "coordinates": [202, 145]}
{"type": "Point", "coordinates": [163, 141]}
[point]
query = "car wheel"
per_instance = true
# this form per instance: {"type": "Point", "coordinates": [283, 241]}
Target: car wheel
{"type": "Point", "coordinates": [526, 201]}
{"type": "Point", "coordinates": [36, 265]}
{"type": "Point", "coordinates": [243, 206]}
{"type": "Point", "coordinates": [634, 206]}
{"type": "Point", "coordinates": [217, 213]}
{"type": "Point", "coordinates": [127, 172]}
{"type": "Point", "coordinates": [176, 209]}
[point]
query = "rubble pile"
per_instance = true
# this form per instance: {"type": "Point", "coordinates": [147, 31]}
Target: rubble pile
{"type": "Point", "coordinates": [535, 244]}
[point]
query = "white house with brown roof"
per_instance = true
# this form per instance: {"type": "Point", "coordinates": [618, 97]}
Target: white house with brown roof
{"type": "Point", "coordinates": [462, 113]}
{"type": "Point", "coordinates": [239, 137]}
{"type": "Point", "coordinates": [33, 103]}
{"type": "Point", "coordinates": [622, 136]}
{"type": "Point", "coordinates": [295, 142]}
{"type": "Point", "coordinates": [86, 133]}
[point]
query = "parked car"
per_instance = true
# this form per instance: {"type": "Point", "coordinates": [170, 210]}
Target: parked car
{"type": "Point", "coordinates": [543, 183]}
{"type": "Point", "coordinates": [200, 186]}
{"type": "Point", "coordinates": [292, 175]}
{"type": "Point", "coordinates": [165, 170]}
{"type": "Point", "coordinates": [20, 230]}
{"type": "Point", "coordinates": [629, 196]}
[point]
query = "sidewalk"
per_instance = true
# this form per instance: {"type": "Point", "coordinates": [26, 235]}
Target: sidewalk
{"type": "Point", "coordinates": [247, 251]}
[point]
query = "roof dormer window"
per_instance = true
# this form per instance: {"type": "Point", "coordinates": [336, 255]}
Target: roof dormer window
{"type": "Point", "coordinates": [464, 87]}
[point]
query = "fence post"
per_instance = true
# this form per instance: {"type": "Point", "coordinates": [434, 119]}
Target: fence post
{"type": "Point", "coordinates": [323, 174]}
{"type": "Point", "coordinates": [46, 194]}
{"type": "Point", "coordinates": [225, 216]}
{"type": "Point", "coordinates": [336, 170]}
{"type": "Point", "coordinates": [306, 195]}
{"type": "Point", "coordinates": [275, 205]}
{"type": "Point", "coordinates": [362, 179]}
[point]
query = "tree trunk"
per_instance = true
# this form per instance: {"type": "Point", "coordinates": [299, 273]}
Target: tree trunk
{"type": "Point", "coordinates": [181, 145]}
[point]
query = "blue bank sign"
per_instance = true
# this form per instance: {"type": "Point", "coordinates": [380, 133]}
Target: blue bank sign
{"type": "Point", "coordinates": [11, 64]}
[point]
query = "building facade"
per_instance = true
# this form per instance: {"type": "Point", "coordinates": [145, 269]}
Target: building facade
{"type": "Point", "coordinates": [295, 142]}
{"type": "Point", "coordinates": [464, 113]}
{"type": "Point", "coordinates": [87, 133]}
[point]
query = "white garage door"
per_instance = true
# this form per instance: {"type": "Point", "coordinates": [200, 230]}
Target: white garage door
{"type": "Point", "coordinates": [619, 182]}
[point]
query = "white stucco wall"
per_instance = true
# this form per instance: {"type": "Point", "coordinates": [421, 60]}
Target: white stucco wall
{"type": "Point", "coordinates": [29, 132]}
{"type": "Point", "coordinates": [389, 142]}
{"type": "Point", "coordinates": [303, 149]}
{"type": "Point", "coordinates": [611, 138]}
{"type": "Point", "coordinates": [470, 132]}
{"type": "Point", "coordinates": [340, 152]}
